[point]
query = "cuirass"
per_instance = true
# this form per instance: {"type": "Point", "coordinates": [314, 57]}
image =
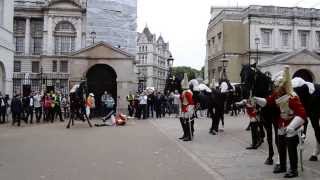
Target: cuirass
{"type": "Point", "coordinates": [285, 112]}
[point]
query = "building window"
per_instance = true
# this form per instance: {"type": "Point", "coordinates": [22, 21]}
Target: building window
{"type": "Point", "coordinates": [19, 35]}
{"type": "Point", "coordinates": [285, 36]}
{"type": "Point", "coordinates": [17, 66]}
{"type": "Point", "coordinates": [219, 35]}
{"type": "Point", "coordinates": [1, 12]}
{"type": "Point", "coordinates": [304, 38]}
{"type": "Point", "coordinates": [213, 41]}
{"type": "Point", "coordinates": [54, 66]}
{"type": "Point", "coordinates": [266, 35]}
{"type": "Point", "coordinates": [64, 66]}
{"type": "Point", "coordinates": [36, 37]}
{"type": "Point", "coordinates": [65, 36]}
{"type": "Point", "coordinates": [19, 41]}
{"type": "Point", "coordinates": [318, 38]}
{"type": "Point", "coordinates": [35, 66]}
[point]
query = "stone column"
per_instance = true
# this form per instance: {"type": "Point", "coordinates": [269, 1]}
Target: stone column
{"type": "Point", "coordinates": [27, 37]}
{"type": "Point", "coordinates": [79, 34]}
{"type": "Point", "coordinates": [50, 42]}
{"type": "Point", "coordinates": [45, 35]}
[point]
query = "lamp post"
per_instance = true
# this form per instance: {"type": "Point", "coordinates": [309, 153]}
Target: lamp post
{"type": "Point", "coordinates": [93, 36]}
{"type": "Point", "coordinates": [169, 81]}
{"type": "Point", "coordinates": [257, 41]}
{"type": "Point", "coordinates": [224, 61]}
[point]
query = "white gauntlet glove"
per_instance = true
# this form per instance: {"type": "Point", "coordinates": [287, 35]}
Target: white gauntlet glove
{"type": "Point", "coordinates": [260, 101]}
{"type": "Point", "coordinates": [292, 128]}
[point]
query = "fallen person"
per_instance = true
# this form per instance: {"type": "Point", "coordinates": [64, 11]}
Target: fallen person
{"type": "Point", "coordinates": [111, 120]}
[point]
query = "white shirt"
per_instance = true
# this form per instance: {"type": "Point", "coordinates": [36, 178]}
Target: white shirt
{"type": "Point", "coordinates": [31, 101]}
{"type": "Point", "coordinates": [143, 99]}
{"type": "Point", "coordinates": [224, 87]}
{"type": "Point", "coordinates": [36, 101]}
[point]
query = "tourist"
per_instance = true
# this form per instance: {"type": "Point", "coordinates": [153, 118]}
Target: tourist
{"type": "Point", "coordinates": [89, 104]}
{"type": "Point", "coordinates": [3, 108]}
{"type": "Point", "coordinates": [176, 103]}
{"type": "Point", "coordinates": [57, 106]}
{"type": "Point", "coordinates": [37, 106]}
{"type": "Point", "coordinates": [143, 99]}
{"type": "Point", "coordinates": [16, 109]}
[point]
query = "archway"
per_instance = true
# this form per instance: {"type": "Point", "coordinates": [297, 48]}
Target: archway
{"type": "Point", "coordinates": [304, 74]}
{"type": "Point", "coordinates": [100, 78]}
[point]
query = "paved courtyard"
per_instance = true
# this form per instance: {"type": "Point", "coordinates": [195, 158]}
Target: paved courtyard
{"type": "Point", "coordinates": [145, 149]}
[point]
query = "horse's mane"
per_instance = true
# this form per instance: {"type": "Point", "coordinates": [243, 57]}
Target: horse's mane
{"type": "Point", "coordinates": [256, 81]}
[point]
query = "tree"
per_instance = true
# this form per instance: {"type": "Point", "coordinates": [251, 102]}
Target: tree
{"type": "Point", "coordinates": [179, 71]}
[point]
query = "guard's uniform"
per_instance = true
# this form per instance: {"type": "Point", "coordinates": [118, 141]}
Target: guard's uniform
{"type": "Point", "coordinates": [187, 110]}
{"type": "Point", "coordinates": [292, 116]}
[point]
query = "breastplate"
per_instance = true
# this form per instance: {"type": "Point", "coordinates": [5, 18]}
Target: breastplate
{"type": "Point", "coordinates": [285, 112]}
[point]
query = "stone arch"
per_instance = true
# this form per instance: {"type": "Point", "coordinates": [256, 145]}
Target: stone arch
{"type": "Point", "coordinates": [2, 78]}
{"type": "Point", "coordinates": [100, 78]}
{"type": "Point", "coordinates": [305, 74]}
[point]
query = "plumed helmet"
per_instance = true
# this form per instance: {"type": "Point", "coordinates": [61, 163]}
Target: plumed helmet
{"type": "Point", "coordinates": [283, 79]}
{"type": "Point", "coordinates": [185, 82]}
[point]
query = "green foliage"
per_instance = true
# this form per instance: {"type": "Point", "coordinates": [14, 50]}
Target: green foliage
{"type": "Point", "coordinates": [179, 71]}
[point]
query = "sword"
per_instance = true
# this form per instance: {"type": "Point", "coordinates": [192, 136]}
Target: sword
{"type": "Point", "coordinates": [301, 143]}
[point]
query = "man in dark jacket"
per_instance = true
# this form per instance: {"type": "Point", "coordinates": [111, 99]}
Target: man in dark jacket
{"type": "Point", "coordinates": [150, 104]}
{"type": "Point", "coordinates": [3, 108]}
{"type": "Point", "coordinates": [16, 109]}
{"type": "Point", "coordinates": [158, 102]}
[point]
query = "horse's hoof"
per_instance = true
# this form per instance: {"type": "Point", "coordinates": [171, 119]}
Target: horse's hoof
{"type": "Point", "coordinates": [269, 161]}
{"type": "Point", "coordinates": [313, 158]}
{"type": "Point", "coordinates": [68, 127]}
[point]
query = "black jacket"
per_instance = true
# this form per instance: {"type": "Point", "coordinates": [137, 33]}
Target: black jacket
{"type": "Point", "coordinates": [16, 105]}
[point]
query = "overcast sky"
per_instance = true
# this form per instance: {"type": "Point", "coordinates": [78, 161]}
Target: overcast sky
{"type": "Point", "coordinates": [184, 22]}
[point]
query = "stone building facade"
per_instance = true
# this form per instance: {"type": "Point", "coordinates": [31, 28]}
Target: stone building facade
{"type": "Point", "coordinates": [45, 32]}
{"type": "Point", "coordinates": [6, 46]}
{"type": "Point", "coordinates": [52, 52]}
{"type": "Point", "coordinates": [114, 22]}
{"type": "Point", "coordinates": [151, 60]}
{"type": "Point", "coordinates": [259, 33]}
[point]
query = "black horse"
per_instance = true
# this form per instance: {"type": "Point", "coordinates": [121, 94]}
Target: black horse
{"type": "Point", "coordinates": [77, 104]}
{"type": "Point", "coordinates": [311, 103]}
{"type": "Point", "coordinates": [213, 101]}
{"type": "Point", "coordinates": [256, 83]}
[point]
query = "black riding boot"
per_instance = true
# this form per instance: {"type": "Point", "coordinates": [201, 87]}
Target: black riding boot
{"type": "Point", "coordinates": [188, 130]}
{"type": "Point", "coordinates": [282, 148]}
{"type": "Point", "coordinates": [254, 135]}
{"type": "Point", "coordinates": [292, 143]}
{"type": "Point", "coordinates": [183, 125]}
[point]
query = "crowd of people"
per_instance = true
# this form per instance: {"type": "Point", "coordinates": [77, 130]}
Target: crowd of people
{"type": "Point", "coordinates": [153, 104]}
{"type": "Point", "coordinates": [34, 106]}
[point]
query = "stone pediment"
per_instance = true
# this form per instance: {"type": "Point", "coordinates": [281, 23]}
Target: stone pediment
{"type": "Point", "coordinates": [102, 50]}
{"type": "Point", "coordinates": [302, 57]}
{"type": "Point", "coordinates": [64, 4]}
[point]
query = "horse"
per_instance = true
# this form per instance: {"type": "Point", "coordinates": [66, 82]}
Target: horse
{"type": "Point", "coordinates": [77, 104]}
{"type": "Point", "coordinates": [256, 83]}
{"type": "Point", "coordinates": [210, 99]}
{"type": "Point", "coordinates": [309, 94]}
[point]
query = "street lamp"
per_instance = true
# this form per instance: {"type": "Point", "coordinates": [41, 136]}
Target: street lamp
{"type": "Point", "coordinates": [257, 41]}
{"type": "Point", "coordinates": [93, 35]}
{"type": "Point", "coordinates": [224, 61]}
{"type": "Point", "coordinates": [169, 81]}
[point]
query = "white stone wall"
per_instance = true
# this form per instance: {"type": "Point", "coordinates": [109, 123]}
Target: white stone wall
{"type": "Point", "coordinates": [156, 73]}
{"type": "Point", "coordinates": [114, 22]}
{"type": "Point", "coordinates": [6, 48]}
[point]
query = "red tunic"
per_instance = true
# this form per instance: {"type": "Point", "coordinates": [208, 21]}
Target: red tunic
{"type": "Point", "coordinates": [295, 108]}
{"type": "Point", "coordinates": [186, 100]}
